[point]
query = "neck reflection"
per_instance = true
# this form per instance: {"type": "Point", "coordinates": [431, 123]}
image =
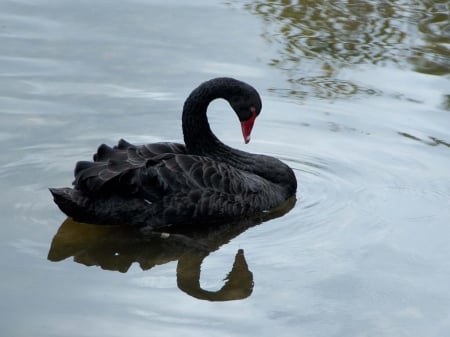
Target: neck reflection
{"type": "Point", "coordinates": [117, 248]}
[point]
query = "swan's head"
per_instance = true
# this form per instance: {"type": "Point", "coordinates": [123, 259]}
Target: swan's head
{"type": "Point", "coordinates": [245, 101]}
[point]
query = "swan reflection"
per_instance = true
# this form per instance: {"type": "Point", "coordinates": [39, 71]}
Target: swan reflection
{"type": "Point", "coordinates": [117, 248]}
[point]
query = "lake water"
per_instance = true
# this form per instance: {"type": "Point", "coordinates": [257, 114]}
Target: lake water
{"type": "Point", "coordinates": [356, 99]}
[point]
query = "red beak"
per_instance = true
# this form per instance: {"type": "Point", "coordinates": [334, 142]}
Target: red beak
{"type": "Point", "coordinates": [247, 127]}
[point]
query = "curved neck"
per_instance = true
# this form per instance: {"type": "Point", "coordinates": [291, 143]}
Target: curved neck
{"type": "Point", "coordinates": [200, 140]}
{"type": "Point", "coordinates": [198, 137]}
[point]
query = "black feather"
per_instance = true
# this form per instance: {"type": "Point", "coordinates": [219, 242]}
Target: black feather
{"type": "Point", "coordinates": [161, 184]}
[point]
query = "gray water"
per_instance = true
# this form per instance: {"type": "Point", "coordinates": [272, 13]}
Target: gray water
{"type": "Point", "coordinates": [356, 99]}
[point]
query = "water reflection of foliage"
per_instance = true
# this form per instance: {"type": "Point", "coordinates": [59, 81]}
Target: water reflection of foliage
{"type": "Point", "coordinates": [432, 141]}
{"type": "Point", "coordinates": [343, 33]}
{"type": "Point", "coordinates": [323, 86]}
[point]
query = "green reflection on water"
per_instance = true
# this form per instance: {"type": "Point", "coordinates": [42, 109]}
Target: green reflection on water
{"type": "Point", "coordinates": [432, 141]}
{"type": "Point", "coordinates": [341, 34]}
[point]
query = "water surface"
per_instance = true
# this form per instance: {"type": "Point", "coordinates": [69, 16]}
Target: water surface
{"type": "Point", "coordinates": [355, 99]}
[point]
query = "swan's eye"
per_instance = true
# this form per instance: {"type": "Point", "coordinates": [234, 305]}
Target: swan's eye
{"type": "Point", "coordinates": [245, 113]}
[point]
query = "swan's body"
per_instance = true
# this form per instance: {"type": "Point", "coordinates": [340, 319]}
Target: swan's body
{"type": "Point", "coordinates": [162, 184]}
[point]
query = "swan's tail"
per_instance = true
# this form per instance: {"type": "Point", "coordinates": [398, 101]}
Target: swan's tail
{"type": "Point", "coordinates": [70, 201]}
{"type": "Point", "coordinates": [108, 211]}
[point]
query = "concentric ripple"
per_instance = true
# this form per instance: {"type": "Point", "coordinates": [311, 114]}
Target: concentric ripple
{"type": "Point", "coordinates": [347, 202]}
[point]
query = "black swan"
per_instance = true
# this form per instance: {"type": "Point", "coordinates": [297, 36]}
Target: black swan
{"type": "Point", "coordinates": [165, 184]}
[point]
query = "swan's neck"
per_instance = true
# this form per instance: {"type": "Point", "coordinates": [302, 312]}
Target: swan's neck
{"type": "Point", "coordinates": [200, 140]}
{"type": "Point", "coordinates": [198, 137]}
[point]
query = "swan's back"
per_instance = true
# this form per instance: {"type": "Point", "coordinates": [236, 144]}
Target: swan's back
{"type": "Point", "coordinates": [150, 186]}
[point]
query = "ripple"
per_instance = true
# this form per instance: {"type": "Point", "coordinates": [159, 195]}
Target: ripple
{"type": "Point", "coordinates": [326, 188]}
{"type": "Point", "coordinates": [348, 202]}
{"type": "Point", "coordinates": [325, 87]}
{"type": "Point", "coordinates": [326, 198]}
